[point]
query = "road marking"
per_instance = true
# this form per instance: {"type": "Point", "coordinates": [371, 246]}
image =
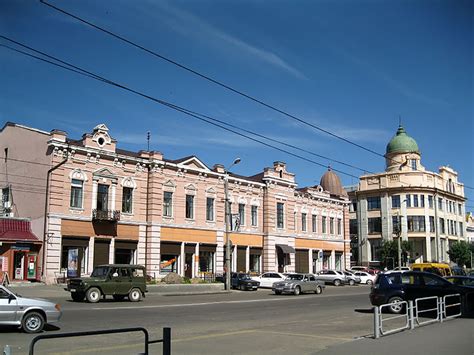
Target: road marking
{"type": "Point", "coordinates": [95, 350]}
{"type": "Point", "coordinates": [303, 335]}
{"type": "Point", "coordinates": [208, 336]}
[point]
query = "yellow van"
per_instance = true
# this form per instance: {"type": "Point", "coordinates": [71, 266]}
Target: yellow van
{"type": "Point", "coordinates": [435, 268]}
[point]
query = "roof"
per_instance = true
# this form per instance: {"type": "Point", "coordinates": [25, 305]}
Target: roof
{"type": "Point", "coordinates": [17, 230]}
{"type": "Point", "coordinates": [331, 182]}
{"type": "Point", "coordinates": [402, 143]}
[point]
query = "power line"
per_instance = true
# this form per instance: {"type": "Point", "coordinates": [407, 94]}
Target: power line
{"type": "Point", "coordinates": [187, 112]}
{"type": "Point", "coordinates": [208, 78]}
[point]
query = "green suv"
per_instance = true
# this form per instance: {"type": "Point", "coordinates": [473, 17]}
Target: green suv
{"type": "Point", "coordinates": [117, 280]}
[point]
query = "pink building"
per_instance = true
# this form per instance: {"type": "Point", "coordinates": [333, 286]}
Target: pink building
{"type": "Point", "coordinates": [108, 205]}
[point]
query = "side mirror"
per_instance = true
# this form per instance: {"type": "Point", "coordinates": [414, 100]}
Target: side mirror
{"type": "Point", "coordinates": [11, 298]}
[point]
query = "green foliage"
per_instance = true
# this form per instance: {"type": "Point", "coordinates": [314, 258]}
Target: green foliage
{"type": "Point", "coordinates": [460, 253]}
{"type": "Point", "coordinates": [389, 252]}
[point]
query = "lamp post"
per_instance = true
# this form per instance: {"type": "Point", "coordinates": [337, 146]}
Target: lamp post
{"type": "Point", "coordinates": [227, 224]}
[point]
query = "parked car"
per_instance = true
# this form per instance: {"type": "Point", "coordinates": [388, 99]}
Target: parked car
{"type": "Point", "coordinates": [440, 269]}
{"type": "Point", "coordinates": [298, 283]}
{"type": "Point", "coordinates": [118, 281]}
{"type": "Point", "coordinates": [367, 269]}
{"type": "Point", "coordinates": [28, 313]}
{"type": "Point", "coordinates": [393, 288]}
{"type": "Point", "coordinates": [267, 279]}
{"type": "Point", "coordinates": [365, 277]}
{"type": "Point", "coordinates": [401, 268]}
{"type": "Point", "coordinates": [243, 282]}
{"type": "Point", "coordinates": [331, 277]}
{"type": "Point", "coordinates": [351, 278]}
{"type": "Point", "coordinates": [467, 281]}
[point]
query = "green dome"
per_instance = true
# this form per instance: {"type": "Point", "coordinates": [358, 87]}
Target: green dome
{"type": "Point", "coordinates": [402, 143]}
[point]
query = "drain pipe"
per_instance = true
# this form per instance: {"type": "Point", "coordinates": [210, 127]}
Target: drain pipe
{"type": "Point", "coordinates": [45, 218]}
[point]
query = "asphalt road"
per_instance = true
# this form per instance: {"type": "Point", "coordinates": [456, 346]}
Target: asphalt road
{"type": "Point", "coordinates": [226, 323]}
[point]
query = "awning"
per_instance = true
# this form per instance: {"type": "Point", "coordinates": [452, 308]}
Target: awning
{"type": "Point", "coordinates": [286, 249]}
{"type": "Point", "coordinates": [17, 230]}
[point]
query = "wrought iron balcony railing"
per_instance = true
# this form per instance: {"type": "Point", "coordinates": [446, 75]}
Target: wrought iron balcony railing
{"type": "Point", "coordinates": [106, 215]}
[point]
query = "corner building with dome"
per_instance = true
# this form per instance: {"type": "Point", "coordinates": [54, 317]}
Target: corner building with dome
{"type": "Point", "coordinates": [427, 209]}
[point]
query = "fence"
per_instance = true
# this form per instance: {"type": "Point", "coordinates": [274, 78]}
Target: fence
{"type": "Point", "coordinates": [166, 340]}
{"type": "Point", "coordinates": [411, 313]}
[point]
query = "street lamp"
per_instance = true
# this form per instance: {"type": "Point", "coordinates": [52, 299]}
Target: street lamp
{"type": "Point", "coordinates": [227, 224]}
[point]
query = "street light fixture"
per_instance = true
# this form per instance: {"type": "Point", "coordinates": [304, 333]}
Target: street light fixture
{"type": "Point", "coordinates": [227, 223]}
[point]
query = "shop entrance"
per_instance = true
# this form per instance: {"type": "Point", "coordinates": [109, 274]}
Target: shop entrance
{"type": "Point", "coordinates": [19, 266]}
{"type": "Point", "coordinates": [188, 265]}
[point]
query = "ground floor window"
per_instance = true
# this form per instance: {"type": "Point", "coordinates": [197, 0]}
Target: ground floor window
{"type": "Point", "coordinates": [255, 263]}
{"type": "Point", "coordinates": [339, 262]}
{"type": "Point", "coordinates": [169, 263]}
{"type": "Point", "coordinates": [124, 256]}
{"type": "Point", "coordinates": [74, 260]}
{"type": "Point", "coordinates": [326, 261]}
{"type": "Point", "coordinates": [206, 261]}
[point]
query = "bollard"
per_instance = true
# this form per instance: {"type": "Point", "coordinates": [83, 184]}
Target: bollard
{"type": "Point", "coordinates": [440, 309]}
{"type": "Point", "coordinates": [7, 350]}
{"type": "Point", "coordinates": [411, 316]}
{"type": "Point", "coordinates": [376, 323]}
{"type": "Point", "coordinates": [166, 341]}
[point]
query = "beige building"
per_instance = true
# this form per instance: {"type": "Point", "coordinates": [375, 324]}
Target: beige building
{"type": "Point", "coordinates": [108, 205]}
{"type": "Point", "coordinates": [429, 207]}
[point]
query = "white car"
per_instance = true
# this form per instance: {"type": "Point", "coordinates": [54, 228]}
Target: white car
{"type": "Point", "coordinates": [365, 277]}
{"type": "Point", "coordinates": [267, 279]}
{"type": "Point", "coordinates": [28, 313]}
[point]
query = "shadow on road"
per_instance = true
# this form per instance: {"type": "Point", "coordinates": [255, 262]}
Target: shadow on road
{"type": "Point", "coordinates": [364, 310]}
{"type": "Point", "coordinates": [4, 329]}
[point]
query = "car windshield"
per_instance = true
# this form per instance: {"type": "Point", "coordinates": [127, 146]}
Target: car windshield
{"type": "Point", "coordinates": [295, 277]}
{"type": "Point", "coordinates": [244, 277]}
{"type": "Point", "coordinates": [100, 271]}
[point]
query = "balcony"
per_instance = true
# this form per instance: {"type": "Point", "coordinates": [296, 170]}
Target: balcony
{"type": "Point", "coordinates": [106, 215]}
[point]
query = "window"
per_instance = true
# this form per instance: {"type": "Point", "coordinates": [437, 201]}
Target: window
{"type": "Point", "coordinates": [209, 209]}
{"type": "Point", "coordinates": [255, 262]}
{"type": "Point", "coordinates": [396, 201]}
{"type": "Point", "coordinates": [76, 193]}
{"type": "Point", "coordinates": [242, 214]}
{"type": "Point", "coordinates": [6, 200]}
{"type": "Point", "coordinates": [432, 224]}
{"type": "Point", "coordinates": [415, 200]}
{"type": "Point", "coordinates": [331, 225]}
{"type": "Point", "coordinates": [460, 209]}
{"type": "Point", "coordinates": [373, 203]}
{"type": "Point", "coordinates": [396, 224]}
{"type": "Point", "coordinates": [441, 226]}
{"type": "Point", "coordinates": [303, 222]}
{"type": "Point", "coordinates": [280, 214]}
{"type": "Point", "coordinates": [461, 229]}
{"type": "Point", "coordinates": [314, 223]}
{"type": "Point", "coordinates": [353, 207]}
{"type": "Point", "coordinates": [430, 201]}
{"type": "Point", "coordinates": [206, 261]}
{"type": "Point", "coordinates": [440, 203]}
{"type": "Point", "coordinates": [353, 226]}
{"type": "Point", "coordinates": [408, 199]}
{"type": "Point", "coordinates": [102, 197]}
{"type": "Point", "coordinates": [339, 226]}
{"type": "Point", "coordinates": [127, 197]}
{"type": "Point", "coordinates": [254, 215]}
{"type": "Point", "coordinates": [375, 225]}
{"type": "Point", "coordinates": [167, 204]}
{"type": "Point", "coordinates": [413, 164]}
{"type": "Point", "coordinates": [416, 223]}
{"type": "Point", "coordinates": [422, 200]}
{"type": "Point", "coordinates": [455, 227]}
{"type": "Point", "coordinates": [324, 225]}
{"type": "Point", "coordinates": [190, 206]}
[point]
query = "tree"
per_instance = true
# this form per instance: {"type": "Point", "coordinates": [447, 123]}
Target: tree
{"type": "Point", "coordinates": [389, 252]}
{"type": "Point", "coordinates": [460, 253]}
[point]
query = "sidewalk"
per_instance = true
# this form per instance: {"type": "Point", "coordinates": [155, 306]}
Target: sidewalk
{"type": "Point", "coordinates": [455, 336]}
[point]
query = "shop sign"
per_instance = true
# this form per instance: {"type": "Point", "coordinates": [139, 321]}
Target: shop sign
{"type": "Point", "coordinates": [72, 256]}
{"type": "Point", "coordinates": [21, 247]}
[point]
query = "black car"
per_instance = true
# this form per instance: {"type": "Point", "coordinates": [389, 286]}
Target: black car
{"type": "Point", "coordinates": [395, 287]}
{"type": "Point", "coordinates": [243, 282]}
{"type": "Point", "coordinates": [467, 281]}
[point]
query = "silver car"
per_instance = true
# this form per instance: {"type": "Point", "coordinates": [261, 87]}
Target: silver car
{"type": "Point", "coordinates": [28, 313]}
{"type": "Point", "coordinates": [298, 283]}
{"type": "Point", "coordinates": [334, 277]}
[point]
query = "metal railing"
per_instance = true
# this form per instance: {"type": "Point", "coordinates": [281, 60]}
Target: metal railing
{"type": "Point", "coordinates": [411, 312]}
{"type": "Point", "coordinates": [166, 340]}
{"type": "Point", "coordinates": [106, 215]}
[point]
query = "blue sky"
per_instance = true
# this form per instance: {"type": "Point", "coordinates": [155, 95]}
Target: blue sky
{"type": "Point", "coordinates": [350, 67]}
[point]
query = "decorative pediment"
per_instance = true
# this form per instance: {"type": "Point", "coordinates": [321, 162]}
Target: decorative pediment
{"type": "Point", "coordinates": [190, 189]}
{"type": "Point", "coordinates": [211, 191]}
{"type": "Point", "coordinates": [129, 182]}
{"type": "Point", "coordinates": [169, 185]}
{"type": "Point", "coordinates": [78, 174]}
{"type": "Point", "coordinates": [193, 163]}
{"type": "Point", "coordinates": [101, 127]}
{"type": "Point", "coordinates": [104, 173]}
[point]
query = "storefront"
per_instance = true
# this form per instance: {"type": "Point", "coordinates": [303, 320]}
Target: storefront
{"type": "Point", "coordinates": [125, 252]}
{"type": "Point", "coordinates": [302, 261]}
{"type": "Point", "coordinates": [74, 256]}
{"type": "Point", "coordinates": [170, 254]}
{"type": "Point", "coordinates": [19, 251]}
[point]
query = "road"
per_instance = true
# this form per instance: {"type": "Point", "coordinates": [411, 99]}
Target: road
{"type": "Point", "coordinates": [226, 323]}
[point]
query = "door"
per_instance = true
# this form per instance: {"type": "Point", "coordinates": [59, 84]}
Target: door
{"type": "Point", "coordinates": [8, 308]}
{"type": "Point", "coordinates": [19, 263]}
{"type": "Point", "coordinates": [188, 265]}
{"type": "Point", "coordinates": [123, 281]}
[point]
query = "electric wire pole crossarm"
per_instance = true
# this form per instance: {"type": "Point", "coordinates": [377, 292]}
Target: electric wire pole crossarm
{"type": "Point", "coordinates": [227, 224]}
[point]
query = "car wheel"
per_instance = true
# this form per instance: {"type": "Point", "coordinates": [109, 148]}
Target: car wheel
{"type": "Point", "coordinates": [118, 297]}
{"type": "Point", "coordinates": [242, 287]}
{"type": "Point", "coordinates": [318, 290]}
{"type": "Point", "coordinates": [297, 291]}
{"type": "Point", "coordinates": [396, 305]}
{"type": "Point", "coordinates": [77, 296]}
{"type": "Point", "coordinates": [135, 295]}
{"type": "Point", "coordinates": [277, 292]}
{"type": "Point", "coordinates": [93, 295]}
{"type": "Point", "coordinates": [369, 282]}
{"type": "Point", "coordinates": [351, 282]}
{"type": "Point", "coordinates": [337, 282]}
{"type": "Point", "coordinates": [33, 322]}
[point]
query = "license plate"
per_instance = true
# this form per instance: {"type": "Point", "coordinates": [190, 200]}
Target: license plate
{"type": "Point", "coordinates": [73, 290]}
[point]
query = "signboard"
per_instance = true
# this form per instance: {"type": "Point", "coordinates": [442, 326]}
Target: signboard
{"type": "Point", "coordinates": [72, 256]}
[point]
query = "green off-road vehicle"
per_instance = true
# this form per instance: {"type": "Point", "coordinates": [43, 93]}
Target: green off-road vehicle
{"type": "Point", "coordinates": [119, 281]}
